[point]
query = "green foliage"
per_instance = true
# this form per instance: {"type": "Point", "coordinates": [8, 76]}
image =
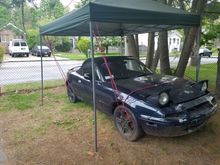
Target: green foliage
{"type": "Point", "coordinates": [51, 8]}
{"type": "Point", "coordinates": [4, 16]}
{"type": "Point", "coordinates": [81, 3]}
{"type": "Point", "coordinates": [32, 38]}
{"type": "Point", "coordinates": [2, 52]}
{"type": "Point", "coordinates": [65, 46]}
{"type": "Point", "coordinates": [84, 45]}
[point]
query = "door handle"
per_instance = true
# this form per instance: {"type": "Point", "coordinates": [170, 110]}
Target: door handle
{"type": "Point", "coordinates": [79, 81]}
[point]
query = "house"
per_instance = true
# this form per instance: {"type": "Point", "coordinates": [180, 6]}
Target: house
{"type": "Point", "coordinates": [9, 32]}
{"type": "Point", "coordinates": [174, 40]}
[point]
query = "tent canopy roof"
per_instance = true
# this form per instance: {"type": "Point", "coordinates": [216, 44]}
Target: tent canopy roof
{"type": "Point", "coordinates": [121, 17]}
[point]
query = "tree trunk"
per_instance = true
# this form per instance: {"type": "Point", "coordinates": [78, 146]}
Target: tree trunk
{"type": "Point", "coordinates": [22, 15]}
{"type": "Point", "coordinates": [185, 54]}
{"type": "Point", "coordinates": [164, 53]}
{"type": "Point", "coordinates": [150, 50]}
{"type": "Point", "coordinates": [218, 76]}
{"type": "Point", "coordinates": [137, 45]}
{"type": "Point", "coordinates": [106, 49]}
{"type": "Point", "coordinates": [156, 59]}
{"type": "Point", "coordinates": [197, 7]}
{"type": "Point", "coordinates": [130, 46]}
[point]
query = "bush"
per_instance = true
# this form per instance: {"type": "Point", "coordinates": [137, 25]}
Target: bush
{"type": "Point", "coordinates": [2, 52]}
{"type": "Point", "coordinates": [32, 38]}
{"type": "Point", "coordinates": [83, 45]}
{"type": "Point", "coordinates": [65, 46]}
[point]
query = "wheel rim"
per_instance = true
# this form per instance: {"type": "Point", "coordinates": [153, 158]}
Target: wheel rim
{"type": "Point", "coordinates": [71, 96]}
{"type": "Point", "coordinates": [124, 122]}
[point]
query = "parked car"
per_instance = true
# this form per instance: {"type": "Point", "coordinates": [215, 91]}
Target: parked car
{"type": "Point", "coordinates": [36, 51]}
{"type": "Point", "coordinates": [18, 47]}
{"type": "Point", "coordinates": [160, 105]}
{"type": "Point", "coordinates": [205, 52]}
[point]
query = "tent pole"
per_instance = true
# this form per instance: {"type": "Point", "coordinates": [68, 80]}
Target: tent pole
{"type": "Point", "coordinates": [42, 78]}
{"type": "Point", "coordinates": [121, 47]}
{"type": "Point", "coordinates": [93, 87]}
{"type": "Point", "coordinates": [198, 57]}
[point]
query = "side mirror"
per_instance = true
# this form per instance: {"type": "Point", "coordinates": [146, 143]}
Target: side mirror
{"type": "Point", "coordinates": [87, 76]}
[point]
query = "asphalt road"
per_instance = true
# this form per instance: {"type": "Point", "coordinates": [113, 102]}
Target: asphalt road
{"type": "Point", "coordinates": [23, 69]}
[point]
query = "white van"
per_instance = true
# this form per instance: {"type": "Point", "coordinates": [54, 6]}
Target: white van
{"type": "Point", "coordinates": [18, 47]}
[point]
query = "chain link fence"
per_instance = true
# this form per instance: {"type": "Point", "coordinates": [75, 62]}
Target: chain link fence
{"type": "Point", "coordinates": [24, 73]}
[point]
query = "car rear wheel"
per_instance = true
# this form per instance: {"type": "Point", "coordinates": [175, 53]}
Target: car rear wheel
{"type": "Point", "coordinates": [127, 124]}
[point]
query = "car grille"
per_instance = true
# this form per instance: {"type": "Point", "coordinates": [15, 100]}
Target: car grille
{"type": "Point", "coordinates": [200, 109]}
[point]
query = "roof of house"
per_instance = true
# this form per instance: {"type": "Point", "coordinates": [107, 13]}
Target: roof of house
{"type": "Point", "coordinates": [8, 25]}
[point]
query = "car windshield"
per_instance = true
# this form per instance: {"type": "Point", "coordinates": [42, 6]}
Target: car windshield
{"type": "Point", "coordinates": [43, 47]}
{"type": "Point", "coordinates": [123, 68]}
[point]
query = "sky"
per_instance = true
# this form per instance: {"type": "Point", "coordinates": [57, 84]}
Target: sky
{"type": "Point", "coordinates": [71, 2]}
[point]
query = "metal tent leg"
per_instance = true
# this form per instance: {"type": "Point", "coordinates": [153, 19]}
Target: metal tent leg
{"type": "Point", "coordinates": [42, 76]}
{"type": "Point", "coordinates": [93, 87]}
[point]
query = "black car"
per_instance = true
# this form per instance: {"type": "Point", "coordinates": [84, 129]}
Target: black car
{"type": "Point", "coordinates": [205, 52]}
{"type": "Point", "coordinates": [36, 51]}
{"type": "Point", "coordinates": [141, 101]}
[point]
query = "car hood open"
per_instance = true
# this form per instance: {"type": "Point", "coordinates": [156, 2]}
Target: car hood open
{"type": "Point", "coordinates": [179, 90]}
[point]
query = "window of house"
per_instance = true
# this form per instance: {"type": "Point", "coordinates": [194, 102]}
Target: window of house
{"type": "Point", "coordinates": [174, 40]}
{"type": "Point", "coordinates": [170, 41]}
{"type": "Point", "coordinates": [178, 41]}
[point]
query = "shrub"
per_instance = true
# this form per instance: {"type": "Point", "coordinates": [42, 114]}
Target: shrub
{"type": "Point", "coordinates": [65, 46]}
{"type": "Point", "coordinates": [2, 52]}
{"type": "Point", "coordinates": [32, 38]}
{"type": "Point", "coordinates": [83, 45]}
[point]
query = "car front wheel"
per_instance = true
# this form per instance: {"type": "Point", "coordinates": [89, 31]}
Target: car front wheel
{"type": "Point", "coordinates": [127, 124]}
{"type": "Point", "coordinates": [71, 95]}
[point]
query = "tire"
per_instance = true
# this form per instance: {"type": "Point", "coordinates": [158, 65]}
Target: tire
{"type": "Point", "coordinates": [27, 55]}
{"type": "Point", "coordinates": [127, 124]}
{"type": "Point", "coordinates": [71, 96]}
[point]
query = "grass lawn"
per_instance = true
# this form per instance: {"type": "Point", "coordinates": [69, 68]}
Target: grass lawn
{"type": "Point", "coordinates": [79, 56]}
{"type": "Point", "coordinates": [207, 72]}
{"type": "Point", "coordinates": [62, 133]}
{"type": "Point", "coordinates": [32, 85]}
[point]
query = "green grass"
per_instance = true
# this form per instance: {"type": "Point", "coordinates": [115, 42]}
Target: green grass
{"type": "Point", "coordinates": [32, 86]}
{"type": "Point", "coordinates": [19, 101]}
{"type": "Point", "coordinates": [207, 72]}
{"type": "Point", "coordinates": [73, 56]}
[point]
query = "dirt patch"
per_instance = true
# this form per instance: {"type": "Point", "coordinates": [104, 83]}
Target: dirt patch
{"type": "Point", "coordinates": [62, 133]}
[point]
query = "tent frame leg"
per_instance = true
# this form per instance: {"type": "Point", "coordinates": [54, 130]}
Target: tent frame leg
{"type": "Point", "coordinates": [93, 86]}
{"type": "Point", "coordinates": [42, 74]}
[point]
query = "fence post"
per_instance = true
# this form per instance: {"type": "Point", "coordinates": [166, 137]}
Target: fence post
{"type": "Point", "coordinates": [218, 75]}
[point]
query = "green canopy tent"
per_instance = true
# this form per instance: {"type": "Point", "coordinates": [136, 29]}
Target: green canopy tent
{"type": "Point", "coordinates": [117, 18]}
{"type": "Point", "coordinates": [121, 17]}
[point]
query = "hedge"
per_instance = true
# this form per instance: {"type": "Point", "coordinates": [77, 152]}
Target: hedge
{"type": "Point", "coordinates": [2, 52]}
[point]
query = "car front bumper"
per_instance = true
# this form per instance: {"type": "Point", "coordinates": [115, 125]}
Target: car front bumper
{"type": "Point", "coordinates": [179, 126]}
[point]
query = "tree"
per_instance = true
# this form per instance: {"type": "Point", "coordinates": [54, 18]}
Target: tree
{"type": "Point", "coordinates": [150, 50]}
{"type": "Point", "coordinates": [84, 45]}
{"type": "Point", "coordinates": [109, 41]}
{"type": "Point", "coordinates": [197, 7]}
{"type": "Point", "coordinates": [130, 46]}
{"type": "Point", "coordinates": [164, 53]}
{"type": "Point", "coordinates": [218, 76]}
{"type": "Point", "coordinates": [51, 9]}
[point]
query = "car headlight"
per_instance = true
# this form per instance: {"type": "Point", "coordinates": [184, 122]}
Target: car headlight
{"type": "Point", "coordinates": [163, 98]}
{"type": "Point", "coordinates": [204, 86]}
